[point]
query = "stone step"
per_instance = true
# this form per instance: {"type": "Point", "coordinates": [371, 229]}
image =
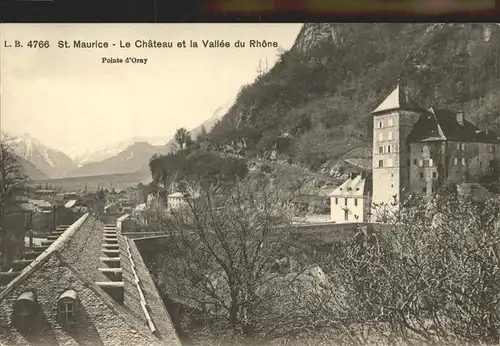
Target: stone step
{"type": "Point", "coordinates": [111, 253]}
{"type": "Point", "coordinates": [110, 242]}
{"type": "Point", "coordinates": [52, 236]}
{"type": "Point", "coordinates": [7, 277]}
{"type": "Point", "coordinates": [19, 265]}
{"type": "Point", "coordinates": [47, 242]}
{"type": "Point", "coordinates": [31, 255]}
{"type": "Point", "coordinates": [110, 247]}
{"type": "Point", "coordinates": [40, 249]}
{"type": "Point", "coordinates": [111, 262]}
{"type": "Point", "coordinates": [114, 274]}
{"type": "Point", "coordinates": [114, 289]}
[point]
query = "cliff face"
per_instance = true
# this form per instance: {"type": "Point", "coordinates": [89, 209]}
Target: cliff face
{"type": "Point", "coordinates": [322, 91]}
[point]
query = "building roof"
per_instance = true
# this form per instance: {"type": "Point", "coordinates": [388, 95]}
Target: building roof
{"type": "Point", "coordinates": [352, 187]}
{"type": "Point", "coordinates": [176, 194]}
{"type": "Point", "coordinates": [70, 203]}
{"type": "Point", "coordinates": [79, 249]}
{"type": "Point", "coordinates": [140, 207]}
{"type": "Point", "coordinates": [27, 206]}
{"type": "Point", "coordinates": [40, 203]}
{"type": "Point", "coordinates": [441, 124]}
{"type": "Point", "coordinates": [398, 99]}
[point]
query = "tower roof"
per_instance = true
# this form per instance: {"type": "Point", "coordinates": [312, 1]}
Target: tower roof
{"type": "Point", "coordinates": [398, 99]}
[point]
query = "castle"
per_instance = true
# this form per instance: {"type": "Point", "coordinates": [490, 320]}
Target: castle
{"type": "Point", "coordinates": [417, 150]}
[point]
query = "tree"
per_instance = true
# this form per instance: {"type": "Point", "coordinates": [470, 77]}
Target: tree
{"type": "Point", "coordinates": [182, 138]}
{"type": "Point", "coordinates": [11, 179]}
{"type": "Point", "coordinates": [202, 136]}
{"type": "Point", "coordinates": [429, 275]}
{"type": "Point", "coordinates": [219, 256]}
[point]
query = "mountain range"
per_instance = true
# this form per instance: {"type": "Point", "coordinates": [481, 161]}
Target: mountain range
{"type": "Point", "coordinates": [41, 162]}
{"type": "Point", "coordinates": [320, 93]}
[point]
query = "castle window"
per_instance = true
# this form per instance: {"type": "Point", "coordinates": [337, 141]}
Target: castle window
{"type": "Point", "coordinates": [414, 161]}
{"type": "Point", "coordinates": [455, 161]}
{"type": "Point", "coordinates": [24, 310]}
{"type": "Point", "coordinates": [424, 190]}
{"type": "Point", "coordinates": [434, 175]}
{"type": "Point", "coordinates": [379, 124]}
{"type": "Point", "coordinates": [336, 200]}
{"type": "Point", "coordinates": [421, 163]}
{"type": "Point", "coordinates": [458, 146]}
{"type": "Point", "coordinates": [462, 146]}
{"type": "Point", "coordinates": [67, 306]}
{"type": "Point", "coordinates": [380, 150]}
{"type": "Point", "coordinates": [390, 135]}
{"type": "Point", "coordinates": [463, 161]}
{"type": "Point", "coordinates": [431, 163]}
{"type": "Point", "coordinates": [345, 201]}
{"type": "Point", "coordinates": [388, 148]}
{"type": "Point", "coordinates": [426, 163]}
{"type": "Point", "coordinates": [355, 201]}
{"type": "Point", "coordinates": [381, 163]}
{"type": "Point", "coordinates": [421, 175]}
{"type": "Point", "coordinates": [491, 148]}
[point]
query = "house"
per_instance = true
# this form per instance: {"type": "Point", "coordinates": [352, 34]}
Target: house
{"type": "Point", "coordinates": [176, 200]}
{"type": "Point", "coordinates": [133, 196]}
{"type": "Point", "coordinates": [351, 201]}
{"type": "Point", "coordinates": [417, 150]}
{"type": "Point", "coordinates": [41, 205]}
{"type": "Point", "coordinates": [91, 286]}
{"type": "Point", "coordinates": [139, 209]}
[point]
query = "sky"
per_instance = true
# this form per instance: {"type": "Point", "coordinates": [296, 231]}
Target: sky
{"type": "Point", "coordinates": [71, 101]}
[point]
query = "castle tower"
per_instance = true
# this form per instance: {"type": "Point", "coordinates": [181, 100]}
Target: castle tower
{"type": "Point", "coordinates": [393, 120]}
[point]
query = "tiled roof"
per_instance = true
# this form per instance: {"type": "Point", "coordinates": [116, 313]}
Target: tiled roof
{"type": "Point", "coordinates": [352, 187]}
{"type": "Point", "coordinates": [398, 99]}
{"type": "Point", "coordinates": [442, 124]}
{"type": "Point", "coordinates": [79, 248]}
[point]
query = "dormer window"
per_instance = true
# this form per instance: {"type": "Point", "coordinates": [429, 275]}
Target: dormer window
{"type": "Point", "coordinates": [24, 310]}
{"type": "Point", "coordinates": [67, 306]}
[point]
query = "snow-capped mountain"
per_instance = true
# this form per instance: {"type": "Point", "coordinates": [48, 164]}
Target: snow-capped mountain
{"type": "Point", "coordinates": [104, 152]}
{"type": "Point", "coordinates": [207, 125]}
{"type": "Point", "coordinates": [132, 159]}
{"type": "Point", "coordinates": [51, 162]}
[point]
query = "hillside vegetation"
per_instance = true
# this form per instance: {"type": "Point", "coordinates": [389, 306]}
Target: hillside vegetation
{"type": "Point", "coordinates": [321, 92]}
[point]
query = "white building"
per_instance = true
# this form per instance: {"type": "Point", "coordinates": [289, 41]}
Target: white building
{"type": "Point", "coordinates": [351, 201]}
{"type": "Point", "coordinates": [176, 200]}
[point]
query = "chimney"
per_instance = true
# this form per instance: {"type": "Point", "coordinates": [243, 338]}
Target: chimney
{"type": "Point", "coordinates": [460, 118]}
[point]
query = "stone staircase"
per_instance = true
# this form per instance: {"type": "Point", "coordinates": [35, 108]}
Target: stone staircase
{"type": "Point", "coordinates": [111, 264]}
{"type": "Point", "coordinates": [30, 255]}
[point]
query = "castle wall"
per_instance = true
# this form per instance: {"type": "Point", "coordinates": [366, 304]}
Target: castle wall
{"type": "Point", "coordinates": [469, 161]}
{"type": "Point", "coordinates": [428, 167]}
{"type": "Point", "coordinates": [391, 155]}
